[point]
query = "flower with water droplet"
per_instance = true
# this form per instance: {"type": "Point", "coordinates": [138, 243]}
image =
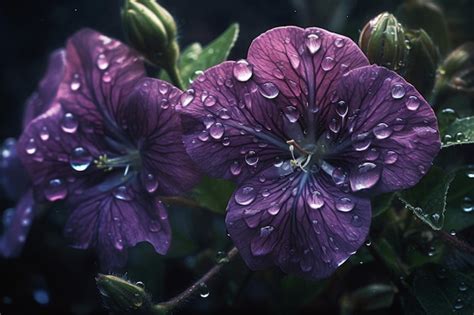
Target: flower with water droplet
{"type": "Point", "coordinates": [322, 145]}
{"type": "Point", "coordinates": [115, 144]}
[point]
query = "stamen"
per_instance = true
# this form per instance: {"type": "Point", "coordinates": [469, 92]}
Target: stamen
{"type": "Point", "coordinates": [301, 161]}
{"type": "Point", "coordinates": [132, 159]}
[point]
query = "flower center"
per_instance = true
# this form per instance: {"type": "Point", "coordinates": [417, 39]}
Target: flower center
{"type": "Point", "coordinates": [302, 161]}
{"type": "Point", "coordinates": [131, 159]}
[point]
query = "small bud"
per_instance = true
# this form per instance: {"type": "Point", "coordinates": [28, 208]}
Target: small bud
{"type": "Point", "coordinates": [383, 41]}
{"type": "Point", "coordinates": [151, 29]}
{"type": "Point", "coordinates": [422, 60]}
{"type": "Point", "coordinates": [123, 297]}
{"type": "Point", "coordinates": [457, 71]}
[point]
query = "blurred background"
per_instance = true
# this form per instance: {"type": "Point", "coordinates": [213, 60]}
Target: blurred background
{"type": "Point", "coordinates": [51, 278]}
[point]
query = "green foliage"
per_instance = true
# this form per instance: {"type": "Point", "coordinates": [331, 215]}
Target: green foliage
{"type": "Point", "coordinates": [214, 194]}
{"type": "Point", "coordinates": [461, 131]}
{"type": "Point", "coordinates": [460, 201]}
{"type": "Point", "coordinates": [195, 58]}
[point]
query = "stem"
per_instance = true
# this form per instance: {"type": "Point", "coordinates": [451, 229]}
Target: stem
{"type": "Point", "coordinates": [175, 76]}
{"type": "Point", "coordinates": [189, 292]}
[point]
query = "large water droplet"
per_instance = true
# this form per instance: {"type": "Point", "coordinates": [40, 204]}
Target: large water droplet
{"type": "Point", "coordinates": [216, 131]}
{"type": "Point", "coordinates": [44, 133]}
{"type": "Point", "coordinates": [122, 193]}
{"type": "Point", "coordinates": [382, 131]}
{"type": "Point", "coordinates": [69, 123]}
{"type": "Point", "coordinates": [80, 159]}
{"type": "Point", "coordinates": [30, 147]}
{"type": "Point", "coordinates": [361, 142]}
{"type": "Point", "coordinates": [315, 200]}
{"type": "Point", "coordinates": [245, 195]}
{"type": "Point", "coordinates": [345, 204]}
{"type": "Point", "coordinates": [163, 88]}
{"type": "Point", "coordinates": [339, 42]}
{"type": "Point", "coordinates": [269, 90]}
{"type": "Point", "coordinates": [398, 91]}
{"type": "Point", "coordinates": [235, 168]}
{"type": "Point", "coordinates": [291, 113]}
{"type": "Point", "coordinates": [102, 62]}
{"type": "Point", "coordinates": [328, 63]}
{"type": "Point", "coordinates": [342, 108]}
{"type": "Point", "coordinates": [203, 136]}
{"type": "Point", "coordinates": [339, 176]}
{"type": "Point", "coordinates": [251, 158]}
{"type": "Point", "coordinates": [55, 190]}
{"type": "Point", "coordinates": [210, 101]}
{"type": "Point", "coordinates": [413, 103]}
{"type": "Point", "coordinates": [313, 43]}
{"type": "Point", "coordinates": [151, 184]}
{"type": "Point", "coordinates": [390, 157]}
{"type": "Point", "coordinates": [187, 97]}
{"type": "Point", "coordinates": [203, 290]}
{"type": "Point", "coordinates": [242, 70]}
{"type": "Point", "coordinates": [366, 176]}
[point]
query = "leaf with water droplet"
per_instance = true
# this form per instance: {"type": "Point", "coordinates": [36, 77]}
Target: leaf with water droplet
{"type": "Point", "coordinates": [460, 132]}
{"type": "Point", "coordinates": [458, 209]}
{"type": "Point", "coordinates": [427, 200]}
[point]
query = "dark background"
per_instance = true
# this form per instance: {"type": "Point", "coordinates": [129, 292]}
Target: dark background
{"type": "Point", "coordinates": [29, 31]}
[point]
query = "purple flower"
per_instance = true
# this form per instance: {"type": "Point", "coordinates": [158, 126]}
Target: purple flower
{"type": "Point", "coordinates": [309, 131]}
{"type": "Point", "coordinates": [109, 145]}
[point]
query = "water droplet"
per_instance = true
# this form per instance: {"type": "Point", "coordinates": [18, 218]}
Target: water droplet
{"type": "Point", "coordinates": [294, 59]}
{"type": "Point", "coordinates": [372, 154]}
{"type": "Point", "coordinates": [151, 184]}
{"type": "Point", "coordinates": [187, 97]}
{"type": "Point", "coordinates": [245, 195]}
{"type": "Point", "coordinates": [366, 176]}
{"type": "Point", "coordinates": [368, 242]}
{"type": "Point", "coordinates": [140, 284]}
{"type": "Point", "coordinates": [122, 193]}
{"type": "Point", "coordinates": [467, 204]}
{"type": "Point", "coordinates": [291, 113]}
{"type": "Point", "coordinates": [315, 200]}
{"type": "Point", "coordinates": [154, 226]}
{"type": "Point", "coordinates": [216, 131]}
{"type": "Point", "coordinates": [356, 221]}
{"type": "Point", "coordinates": [203, 136]}
{"type": "Point", "coordinates": [163, 88]}
{"type": "Point", "coordinates": [339, 42]}
{"type": "Point", "coordinates": [106, 77]}
{"type": "Point", "coordinates": [102, 62]}
{"type": "Point", "coordinates": [382, 131]}
{"type": "Point", "coordinates": [55, 190]}
{"type": "Point", "coordinates": [413, 103]}
{"type": "Point", "coordinates": [203, 290]}
{"type": "Point", "coordinates": [328, 63]}
{"type": "Point", "coordinates": [251, 158]}
{"type": "Point", "coordinates": [339, 176]}
{"type": "Point", "coordinates": [44, 133]}
{"type": "Point", "coordinates": [269, 90]}
{"type": "Point", "coordinates": [390, 157]}
{"type": "Point", "coordinates": [345, 204]}
{"type": "Point", "coordinates": [342, 108]}
{"type": "Point", "coordinates": [361, 142]}
{"type": "Point", "coordinates": [242, 71]}
{"type": "Point", "coordinates": [462, 286]}
{"type": "Point", "coordinates": [30, 147]}
{"type": "Point", "coordinates": [224, 114]}
{"type": "Point", "coordinates": [210, 101]}
{"type": "Point", "coordinates": [266, 230]}
{"type": "Point", "coordinates": [69, 123]}
{"type": "Point", "coordinates": [458, 305]}
{"type": "Point", "coordinates": [334, 125]}
{"type": "Point", "coordinates": [80, 159]}
{"type": "Point", "coordinates": [235, 168]}
{"type": "Point", "coordinates": [313, 43]}
{"type": "Point", "coordinates": [398, 91]}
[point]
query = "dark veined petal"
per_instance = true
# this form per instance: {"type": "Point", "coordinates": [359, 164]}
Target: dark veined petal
{"type": "Point", "coordinates": [234, 128]}
{"type": "Point", "coordinates": [305, 65]}
{"type": "Point", "coordinates": [17, 226]}
{"type": "Point", "coordinates": [149, 119]}
{"type": "Point", "coordinates": [299, 222]}
{"type": "Point", "coordinates": [43, 97]}
{"type": "Point", "coordinates": [389, 135]}
{"type": "Point", "coordinates": [113, 220]}
{"type": "Point", "coordinates": [57, 149]}
{"type": "Point", "coordinates": [100, 73]}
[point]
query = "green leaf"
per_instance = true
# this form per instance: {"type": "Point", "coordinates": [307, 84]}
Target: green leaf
{"type": "Point", "coordinates": [461, 131]}
{"type": "Point", "coordinates": [371, 297]}
{"type": "Point", "coordinates": [214, 194]}
{"type": "Point", "coordinates": [427, 199]}
{"type": "Point", "coordinates": [381, 203]}
{"type": "Point", "coordinates": [195, 58]}
{"type": "Point", "coordinates": [390, 256]}
{"type": "Point", "coordinates": [440, 291]}
{"type": "Point", "coordinates": [460, 201]}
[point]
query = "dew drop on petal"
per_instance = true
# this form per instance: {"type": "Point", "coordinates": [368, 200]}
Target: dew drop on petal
{"type": "Point", "coordinates": [328, 63]}
{"type": "Point", "coordinates": [102, 62]}
{"type": "Point", "coordinates": [44, 133]}
{"type": "Point", "coordinates": [122, 193]}
{"type": "Point", "coordinates": [413, 103]}
{"type": "Point", "coordinates": [187, 97]}
{"type": "Point", "coordinates": [55, 190]}
{"type": "Point", "coordinates": [216, 131]}
{"type": "Point", "coordinates": [382, 131]}
{"type": "Point", "coordinates": [339, 42]}
{"type": "Point", "coordinates": [80, 159]}
{"type": "Point", "coordinates": [366, 176]}
{"type": "Point", "coordinates": [151, 184]}
{"type": "Point", "coordinates": [245, 195]}
{"type": "Point", "coordinates": [342, 108]}
{"type": "Point", "coordinates": [345, 204]}
{"type": "Point", "coordinates": [242, 70]}
{"type": "Point", "coordinates": [75, 84]}
{"type": "Point", "coordinates": [154, 226]}
{"type": "Point", "coordinates": [210, 101]}
{"type": "Point", "coordinates": [69, 123]}
{"type": "Point", "coordinates": [339, 176]}
{"type": "Point", "coordinates": [235, 168]}
{"type": "Point", "coordinates": [361, 142]}
{"type": "Point", "coordinates": [291, 113]}
{"type": "Point", "coordinates": [390, 157]}
{"type": "Point", "coordinates": [203, 290]}
{"type": "Point", "coordinates": [373, 154]}
{"type": "Point", "coordinates": [106, 77]}
{"type": "Point", "coordinates": [203, 136]}
{"type": "Point", "coordinates": [251, 158]}
{"type": "Point", "coordinates": [398, 91]}
{"type": "Point", "coordinates": [30, 147]}
{"type": "Point", "coordinates": [313, 43]}
{"type": "Point", "coordinates": [266, 230]}
{"type": "Point", "coordinates": [334, 125]}
{"type": "Point", "coordinates": [315, 200]}
{"type": "Point", "coordinates": [163, 88]}
{"type": "Point", "coordinates": [269, 90]}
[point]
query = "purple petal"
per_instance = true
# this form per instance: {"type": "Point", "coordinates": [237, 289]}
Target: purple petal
{"type": "Point", "coordinates": [305, 64]}
{"type": "Point", "coordinates": [300, 222]}
{"type": "Point", "coordinates": [231, 129]}
{"type": "Point", "coordinates": [100, 73]}
{"type": "Point", "coordinates": [17, 226]}
{"type": "Point", "coordinates": [112, 221]}
{"type": "Point", "coordinates": [389, 136]}
{"type": "Point", "coordinates": [42, 99]}
{"type": "Point", "coordinates": [57, 150]}
{"type": "Point", "coordinates": [149, 119]}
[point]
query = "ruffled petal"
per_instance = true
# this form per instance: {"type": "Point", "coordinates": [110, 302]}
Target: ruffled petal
{"type": "Point", "coordinates": [299, 222]}
{"type": "Point", "coordinates": [388, 136]}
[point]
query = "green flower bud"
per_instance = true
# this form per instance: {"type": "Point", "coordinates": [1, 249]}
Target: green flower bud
{"type": "Point", "coordinates": [123, 297]}
{"type": "Point", "coordinates": [152, 31]}
{"type": "Point", "coordinates": [457, 71]}
{"type": "Point", "coordinates": [383, 41]}
{"type": "Point", "coordinates": [422, 60]}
